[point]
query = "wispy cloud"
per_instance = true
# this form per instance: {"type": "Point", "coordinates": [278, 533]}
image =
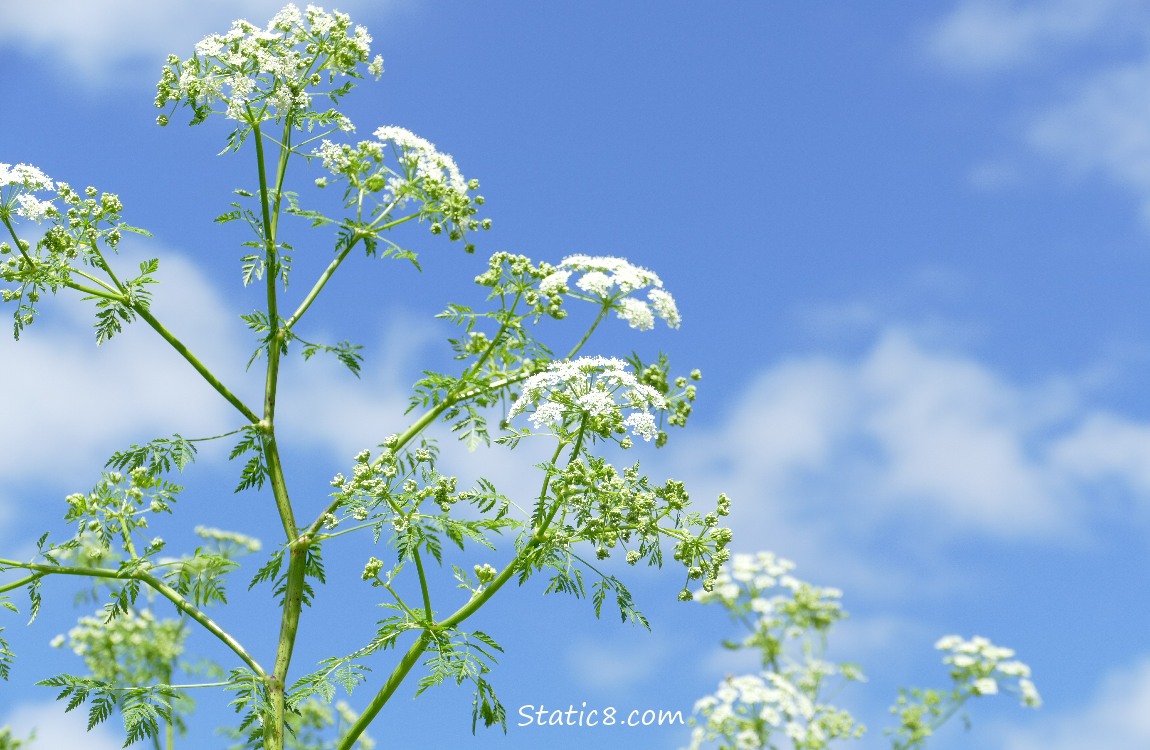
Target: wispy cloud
{"type": "Point", "coordinates": [98, 41]}
{"type": "Point", "coordinates": [1103, 128]}
{"type": "Point", "coordinates": [55, 729]}
{"type": "Point", "coordinates": [1089, 114]}
{"type": "Point", "coordinates": [1115, 718]}
{"type": "Point", "coordinates": [825, 453]}
{"type": "Point", "coordinates": [77, 399]}
{"type": "Point", "coordinates": [982, 36]}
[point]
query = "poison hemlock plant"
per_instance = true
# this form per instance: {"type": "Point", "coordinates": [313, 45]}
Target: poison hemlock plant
{"type": "Point", "coordinates": [279, 87]}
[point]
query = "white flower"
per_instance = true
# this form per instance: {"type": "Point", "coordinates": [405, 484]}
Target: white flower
{"type": "Point", "coordinates": [623, 274]}
{"type": "Point", "coordinates": [33, 208]}
{"type": "Point", "coordinates": [986, 686]}
{"type": "Point", "coordinates": [554, 283]}
{"type": "Point", "coordinates": [26, 176]}
{"type": "Point", "coordinates": [1030, 697]}
{"type": "Point", "coordinates": [286, 19]}
{"type": "Point", "coordinates": [613, 279]}
{"type": "Point", "coordinates": [1014, 669]}
{"type": "Point", "coordinates": [597, 386]}
{"type": "Point", "coordinates": [421, 153]}
{"type": "Point", "coordinates": [637, 314]}
{"type": "Point", "coordinates": [595, 282]}
{"type": "Point", "coordinates": [547, 414]}
{"type": "Point", "coordinates": [210, 46]}
{"type": "Point", "coordinates": [665, 306]}
{"type": "Point", "coordinates": [642, 424]}
{"type": "Point", "coordinates": [948, 642]}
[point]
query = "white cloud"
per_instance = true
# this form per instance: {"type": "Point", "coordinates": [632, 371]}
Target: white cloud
{"type": "Point", "coordinates": [985, 36]}
{"type": "Point", "coordinates": [97, 40]}
{"type": "Point", "coordinates": [1093, 118]}
{"type": "Point", "coordinates": [79, 400]}
{"type": "Point", "coordinates": [1116, 718]}
{"type": "Point", "coordinates": [55, 729]}
{"type": "Point", "coordinates": [1103, 127]}
{"type": "Point", "coordinates": [821, 454]}
{"type": "Point", "coordinates": [1107, 447]}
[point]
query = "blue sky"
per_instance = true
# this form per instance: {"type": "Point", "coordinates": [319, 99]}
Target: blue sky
{"type": "Point", "coordinates": [909, 246]}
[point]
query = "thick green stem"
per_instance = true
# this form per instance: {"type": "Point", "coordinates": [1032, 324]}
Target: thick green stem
{"type": "Point", "coordinates": [289, 626]}
{"type": "Point", "coordinates": [279, 483]}
{"type": "Point", "coordinates": [270, 207]}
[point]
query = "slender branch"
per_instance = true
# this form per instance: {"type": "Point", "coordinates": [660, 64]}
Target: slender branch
{"type": "Point", "coordinates": [22, 582]}
{"type": "Point", "coordinates": [586, 336]}
{"type": "Point", "coordinates": [92, 291]}
{"type": "Point", "coordinates": [423, 584]}
{"type": "Point", "coordinates": [199, 367]}
{"type": "Point", "coordinates": [319, 285]}
{"type": "Point", "coordinates": [160, 587]}
{"type": "Point", "coordinates": [394, 680]}
{"type": "Point", "coordinates": [111, 289]}
{"type": "Point", "coordinates": [105, 266]}
{"type": "Point", "coordinates": [328, 272]}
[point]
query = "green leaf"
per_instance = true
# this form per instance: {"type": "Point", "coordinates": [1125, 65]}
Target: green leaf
{"type": "Point", "coordinates": [6, 658]}
{"type": "Point", "coordinates": [157, 457]}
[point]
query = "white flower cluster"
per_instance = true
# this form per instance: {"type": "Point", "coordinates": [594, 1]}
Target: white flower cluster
{"type": "Point", "coordinates": [612, 280]}
{"type": "Point", "coordinates": [788, 620]}
{"type": "Point", "coordinates": [418, 157]}
{"type": "Point", "coordinates": [136, 630]}
{"type": "Point", "coordinates": [231, 540]}
{"type": "Point", "coordinates": [421, 155]}
{"type": "Point", "coordinates": [981, 665]}
{"type": "Point", "coordinates": [758, 572]}
{"type": "Point", "coordinates": [770, 699]}
{"type": "Point", "coordinates": [599, 387]}
{"type": "Point", "coordinates": [253, 67]}
{"type": "Point", "coordinates": [17, 183]}
{"type": "Point", "coordinates": [747, 709]}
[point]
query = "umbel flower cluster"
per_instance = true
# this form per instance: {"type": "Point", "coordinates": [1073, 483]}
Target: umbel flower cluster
{"type": "Point", "coordinates": [17, 185]}
{"type": "Point", "coordinates": [267, 74]}
{"type": "Point", "coordinates": [598, 389]}
{"type": "Point", "coordinates": [788, 622]}
{"type": "Point", "coordinates": [609, 282]}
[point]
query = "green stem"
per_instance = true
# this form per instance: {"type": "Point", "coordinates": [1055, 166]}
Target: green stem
{"type": "Point", "coordinates": [93, 292]}
{"type": "Point", "coordinates": [328, 272]}
{"type": "Point", "coordinates": [107, 268]}
{"type": "Point", "coordinates": [423, 584]}
{"type": "Point", "coordinates": [199, 367]}
{"type": "Point", "coordinates": [279, 482]}
{"type": "Point", "coordinates": [394, 680]}
{"type": "Point", "coordinates": [289, 626]}
{"type": "Point", "coordinates": [22, 582]}
{"type": "Point", "coordinates": [111, 289]}
{"type": "Point", "coordinates": [319, 285]}
{"type": "Point", "coordinates": [409, 659]}
{"type": "Point", "coordinates": [182, 604]}
{"type": "Point", "coordinates": [591, 330]}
